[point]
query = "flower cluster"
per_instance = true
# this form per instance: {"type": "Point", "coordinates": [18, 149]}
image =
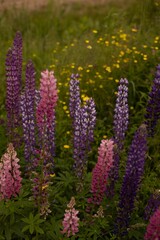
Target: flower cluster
{"type": "Point", "coordinates": [10, 179]}
{"type": "Point", "coordinates": [153, 228]}
{"type": "Point", "coordinates": [132, 178]}
{"type": "Point", "coordinates": [71, 220]}
{"type": "Point", "coordinates": [101, 171]}
{"type": "Point", "coordinates": [153, 107]}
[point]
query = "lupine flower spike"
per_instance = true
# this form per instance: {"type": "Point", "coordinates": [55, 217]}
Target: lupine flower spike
{"type": "Point", "coordinates": [153, 228]}
{"type": "Point", "coordinates": [10, 179]}
{"type": "Point", "coordinates": [132, 178]}
{"type": "Point", "coordinates": [153, 107]}
{"type": "Point", "coordinates": [71, 220]}
{"type": "Point", "coordinates": [152, 205]}
{"type": "Point", "coordinates": [101, 171]}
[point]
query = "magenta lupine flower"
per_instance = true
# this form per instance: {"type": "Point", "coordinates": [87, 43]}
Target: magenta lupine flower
{"type": "Point", "coordinates": [45, 112]}
{"type": "Point", "coordinates": [48, 100]}
{"type": "Point", "coordinates": [10, 179]}
{"type": "Point", "coordinates": [101, 171]}
{"type": "Point", "coordinates": [153, 107]}
{"type": "Point", "coordinates": [71, 220]}
{"type": "Point", "coordinates": [153, 228]}
{"type": "Point", "coordinates": [132, 178]}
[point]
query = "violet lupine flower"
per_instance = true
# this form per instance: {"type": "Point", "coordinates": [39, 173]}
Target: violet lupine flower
{"type": "Point", "coordinates": [27, 106]}
{"type": "Point", "coordinates": [101, 171]}
{"type": "Point", "coordinates": [83, 126]}
{"type": "Point", "coordinates": [13, 94]}
{"type": "Point", "coordinates": [71, 220]}
{"type": "Point", "coordinates": [121, 115]}
{"type": "Point", "coordinates": [153, 107]}
{"type": "Point", "coordinates": [28, 123]}
{"type": "Point", "coordinates": [132, 178]}
{"type": "Point", "coordinates": [153, 228]}
{"type": "Point", "coordinates": [120, 127]}
{"type": "Point", "coordinates": [45, 112]}
{"type": "Point", "coordinates": [152, 205]}
{"type": "Point", "coordinates": [74, 101]}
{"type": "Point", "coordinates": [17, 52]}
{"type": "Point", "coordinates": [10, 179]}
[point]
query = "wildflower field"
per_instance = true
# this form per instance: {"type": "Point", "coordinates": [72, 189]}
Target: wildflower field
{"type": "Point", "coordinates": [79, 121]}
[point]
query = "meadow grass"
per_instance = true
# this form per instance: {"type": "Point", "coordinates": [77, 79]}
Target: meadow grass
{"type": "Point", "coordinates": [102, 44]}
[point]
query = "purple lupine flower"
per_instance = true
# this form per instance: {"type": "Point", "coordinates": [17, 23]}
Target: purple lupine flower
{"type": "Point", "coordinates": [27, 105]}
{"type": "Point", "coordinates": [153, 228]}
{"type": "Point", "coordinates": [132, 178]}
{"type": "Point", "coordinates": [12, 95]}
{"type": "Point", "coordinates": [153, 107]}
{"type": "Point", "coordinates": [83, 126]}
{"type": "Point", "coordinates": [74, 101]}
{"type": "Point", "coordinates": [120, 127]}
{"type": "Point", "coordinates": [28, 123]}
{"type": "Point", "coordinates": [121, 115]}
{"type": "Point", "coordinates": [14, 85]}
{"type": "Point", "coordinates": [17, 52]}
{"type": "Point", "coordinates": [152, 205]}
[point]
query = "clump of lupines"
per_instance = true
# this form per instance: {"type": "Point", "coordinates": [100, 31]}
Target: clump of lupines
{"type": "Point", "coordinates": [71, 220]}
{"type": "Point", "coordinates": [120, 126]}
{"type": "Point", "coordinates": [153, 107]}
{"type": "Point", "coordinates": [152, 205]}
{"type": "Point", "coordinates": [132, 178]}
{"type": "Point", "coordinates": [27, 105]}
{"type": "Point", "coordinates": [153, 228]}
{"type": "Point", "coordinates": [10, 179]}
{"type": "Point", "coordinates": [45, 112]}
{"type": "Point", "coordinates": [14, 84]}
{"type": "Point", "coordinates": [84, 119]}
{"type": "Point", "coordinates": [101, 171]}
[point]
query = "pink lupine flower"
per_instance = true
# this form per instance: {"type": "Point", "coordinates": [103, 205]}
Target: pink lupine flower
{"type": "Point", "coordinates": [153, 228]}
{"type": "Point", "coordinates": [70, 222]}
{"type": "Point", "coordinates": [10, 179]}
{"type": "Point", "coordinates": [48, 99]}
{"type": "Point", "coordinates": [101, 171]}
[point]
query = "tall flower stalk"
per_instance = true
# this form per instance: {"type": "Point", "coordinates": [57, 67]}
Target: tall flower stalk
{"type": "Point", "coordinates": [45, 116]}
{"type": "Point", "coordinates": [120, 126]}
{"type": "Point", "coordinates": [153, 106]}
{"type": "Point", "coordinates": [27, 105]}
{"type": "Point", "coordinates": [132, 178]}
{"type": "Point", "coordinates": [83, 121]}
{"type": "Point", "coordinates": [14, 85]}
